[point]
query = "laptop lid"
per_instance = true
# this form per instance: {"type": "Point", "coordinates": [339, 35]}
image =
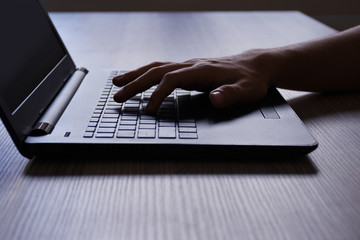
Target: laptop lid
{"type": "Point", "coordinates": [34, 66]}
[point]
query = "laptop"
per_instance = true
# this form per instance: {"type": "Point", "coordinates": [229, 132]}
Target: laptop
{"type": "Point", "coordinates": [51, 107]}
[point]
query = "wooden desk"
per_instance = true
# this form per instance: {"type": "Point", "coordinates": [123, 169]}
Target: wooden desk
{"type": "Point", "coordinates": [316, 197]}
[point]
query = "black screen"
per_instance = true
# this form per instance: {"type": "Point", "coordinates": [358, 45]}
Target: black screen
{"type": "Point", "coordinates": [29, 50]}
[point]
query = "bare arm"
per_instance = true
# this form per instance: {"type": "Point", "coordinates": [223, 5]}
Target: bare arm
{"type": "Point", "coordinates": [327, 64]}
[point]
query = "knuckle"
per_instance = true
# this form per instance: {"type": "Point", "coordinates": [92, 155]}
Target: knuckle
{"type": "Point", "coordinates": [156, 63]}
{"type": "Point", "coordinates": [159, 69]}
{"type": "Point", "coordinates": [195, 60]}
{"type": "Point", "coordinates": [192, 61]}
{"type": "Point", "coordinates": [169, 78]}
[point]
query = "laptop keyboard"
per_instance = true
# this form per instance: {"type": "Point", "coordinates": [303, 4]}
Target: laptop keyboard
{"type": "Point", "coordinates": [129, 120]}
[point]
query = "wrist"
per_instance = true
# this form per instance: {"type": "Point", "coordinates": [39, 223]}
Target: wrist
{"type": "Point", "coordinates": [269, 63]}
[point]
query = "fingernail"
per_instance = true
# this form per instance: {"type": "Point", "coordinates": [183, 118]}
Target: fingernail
{"type": "Point", "coordinates": [117, 78]}
{"type": "Point", "coordinates": [217, 98]}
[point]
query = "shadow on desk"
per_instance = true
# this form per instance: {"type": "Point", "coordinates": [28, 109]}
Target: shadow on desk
{"type": "Point", "coordinates": [325, 105]}
{"type": "Point", "coordinates": [164, 166]}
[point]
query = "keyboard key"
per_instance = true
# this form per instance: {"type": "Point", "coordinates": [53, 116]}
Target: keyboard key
{"type": "Point", "coordinates": [129, 117]}
{"type": "Point", "coordinates": [104, 135]}
{"type": "Point", "coordinates": [88, 134]}
{"type": "Point", "coordinates": [113, 104]}
{"type": "Point", "coordinates": [167, 132]}
{"type": "Point", "coordinates": [130, 108]}
{"type": "Point", "coordinates": [128, 122]}
{"type": "Point", "coordinates": [106, 130]}
{"type": "Point", "coordinates": [125, 134]}
{"type": "Point", "coordinates": [112, 111]}
{"type": "Point", "coordinates": [147, 121]}
{"type": "Point", "coordinates": [136, 97]}
{"type": "Point", "coordinates": [187, 129]}
{"type": "Point", "coordinates": [130, 113]}
{"type": "Point", "coordinates": [94, 119]}
{"type": "Point", "coordinates": [147, 97]}
{"type": "Point", "coordinates": [111, 115]}
{"type": "Point", "coordinates": [166, 124]}
{"type": "Point", "coordinates": [188, 135]}
{"type": "Point", "coordinates": [187, 124]}
{"type": "Point", "coordinates": [92, 124]}
{"type": "Point", "coordinates": [127, 127]}
{"type": "Point", "coordinates": [90, 129]}
{"type": "Point", "coordinates": [132, 105]}
{"type": "Point", "coordinates": [135, 101]}
{"type": "Point", "coordinates": [109, 120]}
{"type": "Point", "coordinates": [107, 125]}
{"type": "Point", "coordinates": [146, 133]}
{"type": "Point", "coordinates": [167, 118]}
{"type": "Point", "coordinates": [147, 126]}
{"type": "Point", "coordinates": [167, 105]}
{"type": "Point", "coordinates": [147, 117]}
{"type": "Point", "coordinates": [118, 108]}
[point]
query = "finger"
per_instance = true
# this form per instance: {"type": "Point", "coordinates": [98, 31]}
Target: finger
{"type": "Point", "coordinates": [145, 81]}
{"type": "Point", "coordinates": [186, 77]}
{"type": "Point", "coordinates": [125, 78]}
{"type": "Point", "coordinates": [236, 93]}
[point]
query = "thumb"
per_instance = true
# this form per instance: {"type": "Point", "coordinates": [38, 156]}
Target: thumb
{"type": "Point", "coordinates": [230, 94]}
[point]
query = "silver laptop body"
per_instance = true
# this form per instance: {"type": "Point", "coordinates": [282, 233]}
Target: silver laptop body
{"type": "Point", "coordinates": [50, 107]}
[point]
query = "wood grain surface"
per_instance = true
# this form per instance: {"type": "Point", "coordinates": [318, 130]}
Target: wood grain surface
{"type": "Point", "coordinates": [213, 197]}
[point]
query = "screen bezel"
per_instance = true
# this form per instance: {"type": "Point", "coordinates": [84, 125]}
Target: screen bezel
{"type": "Point", "coordinates": [20, 122]}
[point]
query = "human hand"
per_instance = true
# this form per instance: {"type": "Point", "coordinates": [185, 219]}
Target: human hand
{"type": "Point", "coordinates": [238, 79]}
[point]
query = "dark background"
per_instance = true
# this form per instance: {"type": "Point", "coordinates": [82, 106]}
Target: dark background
{"type": "Point", "coordinates": [339, 14]}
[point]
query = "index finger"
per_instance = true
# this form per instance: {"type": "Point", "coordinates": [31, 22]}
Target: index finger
{"type": "Point", "coordinates": [126, 78]}
{"type": "Point", "coordinates": [145, 81]}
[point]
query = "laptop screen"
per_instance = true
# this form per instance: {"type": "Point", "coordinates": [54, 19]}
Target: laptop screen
{"type": "Point", "coordinates": [29, 51]}
{"type": "Point", "coordinates": [34, 66]}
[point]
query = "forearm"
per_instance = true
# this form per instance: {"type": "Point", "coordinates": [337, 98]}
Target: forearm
{"type": "Point", "coordinates": [328, 64]}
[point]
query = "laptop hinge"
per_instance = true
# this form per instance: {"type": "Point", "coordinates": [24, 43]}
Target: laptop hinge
{"type": "Point", "coordinates": [53, 113]}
